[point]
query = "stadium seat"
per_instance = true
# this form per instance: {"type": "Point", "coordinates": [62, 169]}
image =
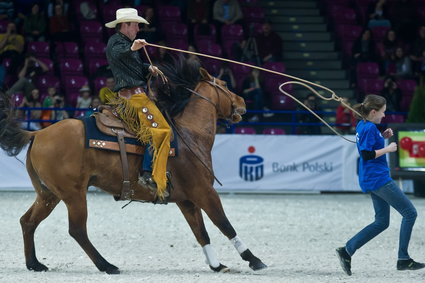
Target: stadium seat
{"type": "Point", "coordinates": [49, 64]}
{"type": "Point", "coordinates": [198, 34]}
{"type": "Point", "coordinates": [98, 83]}
{"type": "Point", "coordinates": [94, 49]}
{"type": "Point", "coordinates": [168, 14]}
{"type": "Point", "coordinates": [95, 63]}
{"type": "Point", "coordinates": [17, 98]}
{"type": "Point", "coordinates": [39, 49]}
{"type": "Point", "coordinates": [253, 14]}
{"type": "Point", "coordinates": [367, 70]}
{"type": "Point", "coordinates": [72, 84]}
{"type": "Point", "coordinates": [71, 66]}
{"type": "Point", "coordinates": [231, 32]}
{"type": "Point", "coordinates": [67, 50]}
{"type": "Point", "coordinates": [45, 81]}
{"type": "Point", "coordinates": [91, 30]}
{"type": "Point", "coordinates": [282, 102]}
{"type": "Point", "coordinates": [370, 86]}
{"type": "Point", "coordinates": [348, 32]}
{"type": "Point", "coordinates": [210, 49]}
{"type": "Point", "coordinates": [212, 65]}
{"type": "Point", "coordinates": [175, 30]}
{"type": "Point", "coordinates": [274, 131]}
{"type": "Point", "coordinates": [342, 15]}
{"type": "Point", "coordinates": [407, 87]}
{"type": "Point", "coordinates": [245, 131]}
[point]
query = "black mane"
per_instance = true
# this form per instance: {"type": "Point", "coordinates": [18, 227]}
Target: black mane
{"type": "Point", "coordinates": [182, 74]}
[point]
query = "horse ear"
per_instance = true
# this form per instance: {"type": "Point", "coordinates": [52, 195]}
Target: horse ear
{"type": "Point", "coordinates": [204, 74]}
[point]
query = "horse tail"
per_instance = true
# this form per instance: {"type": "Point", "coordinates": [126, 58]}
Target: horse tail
{"type": "Point", "coordinates": [12, 138]}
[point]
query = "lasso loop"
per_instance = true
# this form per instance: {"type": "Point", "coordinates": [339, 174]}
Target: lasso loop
{"type": "Point", "coordinates": [297, 81]}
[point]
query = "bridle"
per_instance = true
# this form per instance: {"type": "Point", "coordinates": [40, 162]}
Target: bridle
{"type": "Point", "coordinates": [217, 89]}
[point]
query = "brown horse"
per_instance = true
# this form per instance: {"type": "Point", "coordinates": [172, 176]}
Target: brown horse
{"type": "Point", "coordinates": [196, 100]}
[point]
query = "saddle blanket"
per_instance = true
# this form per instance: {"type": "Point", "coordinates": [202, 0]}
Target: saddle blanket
{"type": "Point", "coordinates": [97, 139]}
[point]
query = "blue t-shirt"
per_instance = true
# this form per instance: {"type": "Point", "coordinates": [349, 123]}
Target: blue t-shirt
{"type": "Point", "coordinates": [373, 173]}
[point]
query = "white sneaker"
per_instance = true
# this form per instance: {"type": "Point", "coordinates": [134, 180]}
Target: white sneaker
{"type": "Point", "coordinates": [254, 119]}
{"type": "Point", "coordinates": [267, 115]}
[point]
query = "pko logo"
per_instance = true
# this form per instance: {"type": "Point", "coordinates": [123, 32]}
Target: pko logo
{"type": "Point", "coordinates": [251, 167]}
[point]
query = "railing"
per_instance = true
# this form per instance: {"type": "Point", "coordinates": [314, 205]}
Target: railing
{"type": "Point", "coordinates": [293, 114]}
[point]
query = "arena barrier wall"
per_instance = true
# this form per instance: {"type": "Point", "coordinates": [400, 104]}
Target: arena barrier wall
{"type": "Point", "coordinates": [256, 163]}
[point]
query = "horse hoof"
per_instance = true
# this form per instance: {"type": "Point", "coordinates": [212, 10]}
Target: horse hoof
{"type": "Point", "coordinates": [37, 267]}
{"type": "Point", "coordinates": [221, 268]}
{"type": "Point", "coordinates": [257, 265]}
{"type": "Point", "coordinates": [112, 270]}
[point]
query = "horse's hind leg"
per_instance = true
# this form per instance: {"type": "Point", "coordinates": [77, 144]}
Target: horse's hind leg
{"type": "Point", "coordinates": [77, 215]}
{"type": "Point", "coordinates": [194, 218]}
{"type": "Point", "coordinates": [44, 204]}
{"type": "Point", "coordinates": [214, 209]}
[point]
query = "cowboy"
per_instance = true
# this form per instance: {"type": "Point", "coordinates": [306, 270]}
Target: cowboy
{"type": "Point", "coordinates": [133, 105]}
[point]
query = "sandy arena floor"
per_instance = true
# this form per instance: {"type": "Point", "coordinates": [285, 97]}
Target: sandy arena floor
{"type": "Point", "coordinates": [295, 235]}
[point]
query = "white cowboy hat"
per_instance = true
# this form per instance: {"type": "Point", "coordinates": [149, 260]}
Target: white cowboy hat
{"type": "Point", "coordinates": [126, 15]}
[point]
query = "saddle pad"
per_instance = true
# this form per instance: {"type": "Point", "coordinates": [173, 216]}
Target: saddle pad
{"type": "Point", "coordinates": [97, 139]}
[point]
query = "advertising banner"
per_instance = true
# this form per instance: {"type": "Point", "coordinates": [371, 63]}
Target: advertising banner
{"type": "Point", "coordinates": [284, 162]}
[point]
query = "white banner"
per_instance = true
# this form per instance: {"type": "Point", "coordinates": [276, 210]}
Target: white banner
{"type": "Point", "coordinates": [284, 162]}
{"type": "Point", "coordinates": [256, 163]}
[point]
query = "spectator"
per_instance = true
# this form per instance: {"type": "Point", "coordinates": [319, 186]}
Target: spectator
{"type": "Point", "coordinates": [59, 114]}
{"type": "Point", "coordinates": [7, 10]}
{"type": "Point", "coordinates": [59, 26]}
{"type": "Point", "coordinates": [106, 93]}
{"type": "Point", "coordinates": [269, 44]}
{"type": "Point", "coordinates": [51, 7]}
{"type": "Point", "coordinates": [418, 48]}
{"type": "Point", "coordinates": [31, 101]}
{"type": "Point", "coordinates": [392, 94]}
{"type": "Point", "coordinates": [403, 65]}
{"type": "Point", "coordinates": [11, 46]}
{"type": "Point", "coordinates": [226, 74]}
{"type": "Point", "coordinates": [311, 102]}
{"type": "Point", "coordinates": [345, 118]}
{"type": "Point", "coordinates": [83, 101]}
{"type": "Point", "coordinates": [197, 14]}
{"type": "Point", "coordinates": [390, 45]}
{"type": "Point", "coordinates": [364, 48]}
{"type": "Point", "coordinates": [50, 98]}
{"type": "Point", "coordinates": [252, 90]}
{"type": "Point", "coordinates": [226, 12]}
{"type": "Point", "coordinates": [150, 32]}
{"type": "Point", "coordinates": [35, 25]}
{"type": "Point", "coordinates": [87, 10]}
{"type": "Point", "coordinates": [31, 69]}
{"type": "Point", "coordinates": [378, 14]}
{"type": "Point", "coordinates": [93, 107]}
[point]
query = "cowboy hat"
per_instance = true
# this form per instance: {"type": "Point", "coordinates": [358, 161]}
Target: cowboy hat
{"type": "Point", "coordinates": [126, 15]}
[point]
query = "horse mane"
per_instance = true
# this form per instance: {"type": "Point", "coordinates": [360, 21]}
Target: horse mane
{"type": "Point", "coordinates": [182, 74]}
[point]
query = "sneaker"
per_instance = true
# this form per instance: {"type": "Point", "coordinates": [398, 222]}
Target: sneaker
{"type": "Point", "coordinates": [409, 264]}
{"type": "Point", "coordinates": [269, 114]}
{"type": "Point", "coordinates": [254, 119]}
{"type": "Point", "coordinates": [344, 260]}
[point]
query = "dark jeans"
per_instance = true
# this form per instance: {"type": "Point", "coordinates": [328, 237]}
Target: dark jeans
{"type": "Point", "coordinates": [147, 159]}
{"type": "Point", "coordinates": [256, 96]}
{"type": "Point", "coordinates": [386, 196]}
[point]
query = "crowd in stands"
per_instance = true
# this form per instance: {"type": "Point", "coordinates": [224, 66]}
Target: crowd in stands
{"type": "Point", "coordinates": [384, 46]}
{"type": "Point", "coordinates": [60, 45]}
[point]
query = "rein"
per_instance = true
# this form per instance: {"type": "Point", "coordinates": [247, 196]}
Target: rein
{"type": "Point", "coordinates": [296, 80]}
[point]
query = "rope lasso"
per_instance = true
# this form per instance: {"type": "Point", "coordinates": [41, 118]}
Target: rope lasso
{"type": "Point", "coordinates": [297, 80]}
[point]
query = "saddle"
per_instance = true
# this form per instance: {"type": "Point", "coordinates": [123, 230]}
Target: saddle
{"type": "Point", "coordinates": [109, 124]}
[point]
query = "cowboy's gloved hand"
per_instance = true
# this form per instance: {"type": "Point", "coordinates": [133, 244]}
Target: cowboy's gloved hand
{"type": "Point", "coordinates": [154, 70]}
{"type": "Point", "coordinates": [137, 44]}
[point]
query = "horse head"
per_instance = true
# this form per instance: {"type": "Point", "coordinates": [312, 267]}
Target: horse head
{"type": "Point", "coordinates": [229, 105]}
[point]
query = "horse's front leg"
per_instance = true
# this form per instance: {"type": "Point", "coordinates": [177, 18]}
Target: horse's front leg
{"type": "Point", "coordinates": [77, 215]}
{"type": "Point", "coordinates": [214, 209]}
{"type": "Point", "coordinates": [193, 216]}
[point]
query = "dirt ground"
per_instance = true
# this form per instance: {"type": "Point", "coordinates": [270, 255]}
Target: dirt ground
{"type": "Point", "coordinates": [295, 235]}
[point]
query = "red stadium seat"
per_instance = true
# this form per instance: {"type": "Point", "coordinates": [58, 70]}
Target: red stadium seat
{"type": "Point", "coordinates": [70, 66]}
{"type": "Point", "coordinates": [282, 102]}
{"type": "Point", "coordinates": [274, 131]}
{"type": "Point", "coordinates": [43, 82]}
{"type": "Point", "coordinates": [407, 87]}
{"type": "Point", "coordinates": [253, 14]}
{"type": "Point", "coordinates": [367, 70]}
{"type": "Point", "coordinates": [39, 49]}
{"type": "Point", "coordinates": [245, 131]}
{"type": "Point", "coordinates": [67, 50]}
{"type": "Point", "coordinates": [231, 32]}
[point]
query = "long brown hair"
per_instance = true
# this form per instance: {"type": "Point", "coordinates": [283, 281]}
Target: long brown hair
{"type": "Point", "coordinates": [371, 102]}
